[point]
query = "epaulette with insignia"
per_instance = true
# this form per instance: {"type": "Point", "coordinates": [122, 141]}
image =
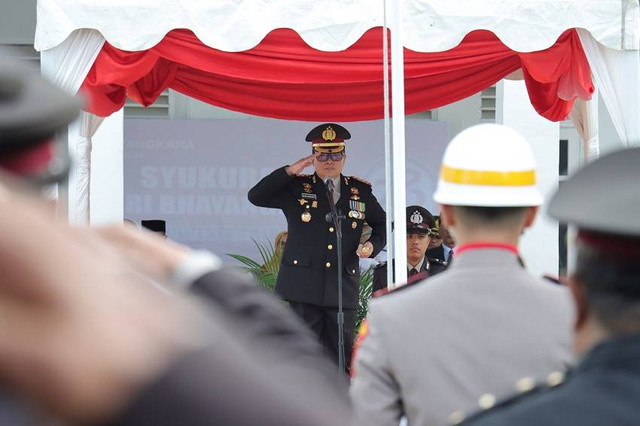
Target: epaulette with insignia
{"type": "Point", "coordinates": [525, 388]}
{"type": "Point", "coordinates": [418, 278]}
{"type": "Point", "coordinates": [380, 265]}
{"type": "Point", "coordinates": [437, 261]}
{"type": "Point", "coordinates": [360, 180]}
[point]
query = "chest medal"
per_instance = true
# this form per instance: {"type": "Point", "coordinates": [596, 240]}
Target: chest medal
{"type": "Point", "coordinates": [306, 217]}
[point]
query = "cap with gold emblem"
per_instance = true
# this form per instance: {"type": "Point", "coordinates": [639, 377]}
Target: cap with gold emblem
{"type": "Point", "coordinates": [328, 138]}
{"type": "Point", "coordinates": [419, 220]}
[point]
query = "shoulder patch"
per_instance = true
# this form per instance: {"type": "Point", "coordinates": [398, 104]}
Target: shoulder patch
{"type": "Point", "coordinates": [437, 261]}
{"type": "Point", "coordinates": [380, 265]}
{"type": "Point", "coordinates": [360, 180]}
{"type": "Point", "coordinates": [416, 279]}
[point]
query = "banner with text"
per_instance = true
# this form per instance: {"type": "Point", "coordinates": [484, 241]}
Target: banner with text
{"type": "Point", "coordinates": [195, 175]}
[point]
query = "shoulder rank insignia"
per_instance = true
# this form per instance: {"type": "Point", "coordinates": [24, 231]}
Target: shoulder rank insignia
{"type": "Point", "coordinates": [366, 182]}
{"type": "Point", "coordinates": [438, 261]}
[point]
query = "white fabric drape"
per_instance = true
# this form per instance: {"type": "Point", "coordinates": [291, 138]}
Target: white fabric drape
{"type": "Point", "coordinates": [334, 25]}
{"type": "Point", "coordinates": [89, 124]}
{"type": "Point", "coordinates": [615, 74]}
{"type": "Point", "coordinates": [66, 66]}
{"type": "Point", "coordinates": [585, 118]}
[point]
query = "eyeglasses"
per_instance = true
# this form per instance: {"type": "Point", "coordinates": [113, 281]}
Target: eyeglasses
{"type": "Point", "coordinates": [335, 156]}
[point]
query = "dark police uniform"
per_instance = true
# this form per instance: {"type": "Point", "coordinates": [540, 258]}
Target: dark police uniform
{"type": "Point", "coordinates": [430, 266]}
{"type": "Point", "coordinates": [420, 221]}
{"type": "Point", "coordinates": [603, 389]}
{"type": "Point", "coordinates": [308, 273]}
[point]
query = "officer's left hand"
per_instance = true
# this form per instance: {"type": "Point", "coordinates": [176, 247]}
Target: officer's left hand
{"type": "Point", "coordinates": [365, 250]}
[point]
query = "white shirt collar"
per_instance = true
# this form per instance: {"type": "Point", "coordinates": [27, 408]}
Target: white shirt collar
{"type": "Point", "coordinates": [419, 265]}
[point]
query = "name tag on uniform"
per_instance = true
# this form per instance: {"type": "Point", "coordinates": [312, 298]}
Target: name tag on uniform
{"type": "Point", "coordinates": [309, 196]}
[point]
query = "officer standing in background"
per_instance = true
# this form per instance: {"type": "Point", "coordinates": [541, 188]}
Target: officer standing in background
{"type": "Point", "coordinates": [420, 227]}
{"type": "Point", "coordinates": [603, 201]}
{"type": "Point", "coordinates": [308, 274]}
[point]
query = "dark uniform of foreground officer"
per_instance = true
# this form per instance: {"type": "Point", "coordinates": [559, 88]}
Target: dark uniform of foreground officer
{"type": "Point", "coordinates": [308, 273]}
{"type": "Point", "coordinates": [420, 227]}
{"type": "Point", "coordinates": [113, 348]}
{"type": "Point", "coordinates": [603, 201]}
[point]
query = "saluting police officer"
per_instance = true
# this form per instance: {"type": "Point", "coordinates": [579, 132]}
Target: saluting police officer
{"type": "Point", "coordinates": [308, 273]}
{"type": "Point", "coordinates": [421, 226]}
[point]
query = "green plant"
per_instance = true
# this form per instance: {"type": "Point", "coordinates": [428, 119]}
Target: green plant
{"type": "Point", "coordinates": [366, 286]}
{"type": "Point", "coordinates": [265, 272]}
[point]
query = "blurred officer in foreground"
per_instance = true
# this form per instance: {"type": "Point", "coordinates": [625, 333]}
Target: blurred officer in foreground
{"type": "Point", "coordinates": [308, 277]}
{"type": "Point", "coordinates": [484, 322]}
{"type": "Point", "coordinates": [603, 202]}
{"type": "Point", "coordinates": [87, 340]}
{"type": "Point", "coordinates": [420, 227]}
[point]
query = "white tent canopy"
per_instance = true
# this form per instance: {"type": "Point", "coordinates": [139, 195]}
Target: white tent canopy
{"type": "Point", "coordinates": [70, 34]}
{"type": "Point", "coordinates": [332, 25]}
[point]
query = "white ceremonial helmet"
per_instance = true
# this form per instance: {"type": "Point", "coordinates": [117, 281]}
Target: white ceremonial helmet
{"type": "Point", "coordinates": [488, 165]}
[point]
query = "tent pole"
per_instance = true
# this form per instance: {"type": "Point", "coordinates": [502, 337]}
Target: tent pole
{"type": "Point", "coordinates": [398, 143]}
{"type": "Point", "coordinates": [387, 147]}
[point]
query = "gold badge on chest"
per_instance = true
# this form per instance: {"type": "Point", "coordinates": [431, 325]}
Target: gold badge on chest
{"type": "Point", "coordinates": [306, 217]}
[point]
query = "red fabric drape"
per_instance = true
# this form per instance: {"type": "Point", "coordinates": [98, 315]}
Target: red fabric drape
{"type": "Point", "coordinates": [284, 78]}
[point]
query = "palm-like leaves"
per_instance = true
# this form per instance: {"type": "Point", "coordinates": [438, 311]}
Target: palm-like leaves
{"type": "Point", "coordinates": [266, 271]}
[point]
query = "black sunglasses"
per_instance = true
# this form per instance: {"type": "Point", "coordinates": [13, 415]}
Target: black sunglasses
{"type": "Point", "coordinates": [335, 156]}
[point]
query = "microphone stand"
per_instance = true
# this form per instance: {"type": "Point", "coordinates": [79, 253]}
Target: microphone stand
{"type": "Point", "coordinates": [336, 218]}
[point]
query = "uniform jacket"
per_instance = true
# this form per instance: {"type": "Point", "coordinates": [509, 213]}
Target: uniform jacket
{"type": "Point", "coordinates": [430, 266]}
{"type": "Point", "coordinates": [436, 253]}
{"type": "Point", "coordinates": [308, 272]}
{"type": "Point", "coordinates": [262, 366]}
{"type": "Point", "coordinates": [604, 389]}
{"type": "Point", "coordinates": [475, 328]}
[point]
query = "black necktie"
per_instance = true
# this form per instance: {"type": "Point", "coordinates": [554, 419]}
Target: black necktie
{"type": "Point", "coordinates": [412, 272]}
{"type": "Point", "coordinates": [450, 256]}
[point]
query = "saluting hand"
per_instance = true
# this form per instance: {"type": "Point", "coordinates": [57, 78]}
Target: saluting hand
{"type": "Point", "coordinates": [297, 167]}
{"type": "Point", "coordinates": [365, 250]}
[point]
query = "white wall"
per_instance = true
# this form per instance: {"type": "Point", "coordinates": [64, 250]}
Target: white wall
{"type": "Point", "coordinates": [107, 173]}
{"type": "Point", "coordinates": [460, 115]}
{"type": "Point", "coordinates": [17, 21]}
{"type": "Point", "coordinates": [539, 245]}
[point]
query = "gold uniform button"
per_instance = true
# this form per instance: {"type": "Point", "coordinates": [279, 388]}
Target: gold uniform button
{"type": "Point", "coordinates": [330, 247]}
{"type": "Point", "coordinates": [555, 378]}
{"type": "Point", "coordinates": [295, 262]}
{"type": "Point", "coordinates": [328, 264]}
{"type": "Point", "coordinates": [525, 384]}
{"type": "Point", "coordinates": [456, 418]}
{"type": "Point", "coordinates": [331, 229]}
{"type": "Point", "coordinates": [487, 401]}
